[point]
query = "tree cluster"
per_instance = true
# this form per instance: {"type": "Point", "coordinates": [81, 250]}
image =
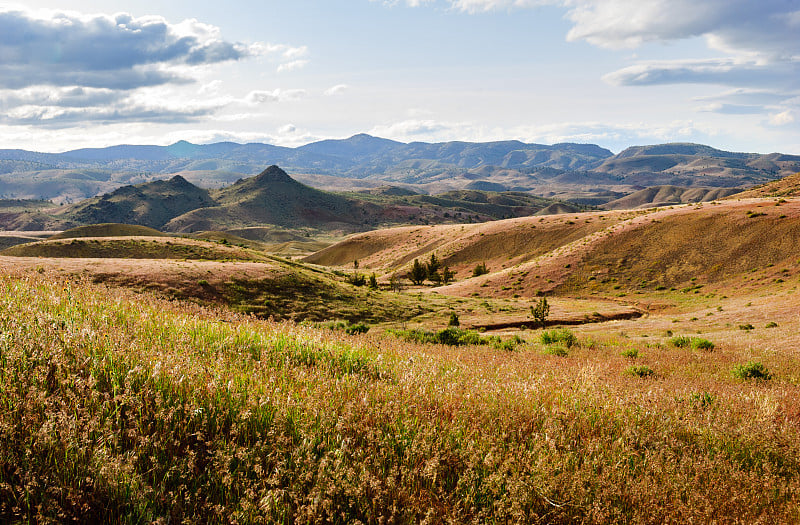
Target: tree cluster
{"type": "Point", "coordinates": [432, 271]}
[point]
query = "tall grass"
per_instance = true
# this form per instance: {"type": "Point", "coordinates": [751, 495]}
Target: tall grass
{"type": "Point", "coordinates": [117, 408]}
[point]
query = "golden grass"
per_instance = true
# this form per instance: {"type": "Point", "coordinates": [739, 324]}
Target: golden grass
{"type": "Point", "coordinates": [108, 230]}
{"type": "Point", "coordinates": [133, 247]}
{"type": "Point", "coordinates": [119, 407]}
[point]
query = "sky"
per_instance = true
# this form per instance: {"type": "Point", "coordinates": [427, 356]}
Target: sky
{"type": "Point", "coordinates": [617, 73]}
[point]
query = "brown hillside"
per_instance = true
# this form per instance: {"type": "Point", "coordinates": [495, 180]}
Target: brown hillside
{"type": "Point", "coordinates": [108, 230]}
{"type": "Point", "coordinates": [785, 187]}
{"type": "Point", "coordinates": [727, 244]}
{"type": "Point", "coordinates": [687, 247]}
{"type": "Point", "coordinates": [499, 243]}
{"type": "Point", "coordinates": [132, 248]}
{"type": "Point", "coordinates": [667, 196]}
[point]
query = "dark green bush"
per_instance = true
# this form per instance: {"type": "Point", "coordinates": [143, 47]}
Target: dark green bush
{"type": "Point", "coordinates": [562, 335]}
{"type": "Point", "coordinates": [358, 328]}
{"type": "Point", "coordinates": [751, 370]}
{"type": "Point", "coordinates": [640, 371]}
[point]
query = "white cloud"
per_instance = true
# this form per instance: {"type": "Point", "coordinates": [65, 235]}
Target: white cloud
{"type": "Point", "coordinates": [723, 71]}
{"type": "Point", "coordinates": [413, 129]}
{"type": "Point", "coordinates": [292, 66]}
{"type": "Point", "coordinates": [759, 39]}
{"type": "Point", "coordinates": [765, 28]}
{"type": "Point", "coordinates": [477, 6]}
{"type": "Point", "coordinates": [66, 48]}
{"type": "Point", "coordinates": [60, 68]}
{"type": "Point", "coordinates": [336, 90]}
{"type": "Point", "coordinates": [731, 109]}
{"type": "Point", "coordinates": [276, 95]}
{"type": "Point", "coordinates": [784, 118]}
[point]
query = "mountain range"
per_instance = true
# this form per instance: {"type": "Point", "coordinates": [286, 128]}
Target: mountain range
{"type": "Point", "coordinates": [582, 173]}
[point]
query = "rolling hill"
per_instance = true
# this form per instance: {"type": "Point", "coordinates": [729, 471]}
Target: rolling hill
{"type": "Point", "coordinates": [151, 204]}
{"type": "Point", "coordinates": [129, 247]}
{"type": "Point", "coordinates": [785, 187]}
{"type": "Point", "coordinates": [722, 245]}
{"type": "Point", "coordinates": [668, 195]}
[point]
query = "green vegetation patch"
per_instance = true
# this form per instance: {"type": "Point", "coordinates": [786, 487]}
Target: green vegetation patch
{"type": "Point", "coordinates": [695, 343]}
{"type": "Point", "coordinates": [751, 370]}
{"type": "Point", "coordinates": [451, 336]}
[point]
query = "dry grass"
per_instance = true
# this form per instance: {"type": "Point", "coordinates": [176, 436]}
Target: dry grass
{"type": "Point", "coordinates": [134, 247]}
{"type": "Point", "coordinates": [119, 407]}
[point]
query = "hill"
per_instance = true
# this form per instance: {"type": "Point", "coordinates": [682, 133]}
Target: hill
{"type": "Point", "coordinates": [275, 200]}
{"type": "Point", "coordinates": [785, 187]}
{"type": "Point", "coordinates": [724, 245]}
{"type": "Point", "coordinates": [132, 248]}
{"type": "Point", "coordinates": [696, 165]}
{"type": "Point", "coordinates": [668, 195]}
{"type": "Point", "coordinates": [151, 204]}
{"type": "Point", "coordinates": [272, 197]}
{"type": "Point", "coordinates": [108, 230]}
{"type": "Point", "coordinates": [120, 402]}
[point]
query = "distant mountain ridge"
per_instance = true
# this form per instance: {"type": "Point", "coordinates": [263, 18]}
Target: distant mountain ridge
{"type": "Point", "coordinates": [578, 172]}
{"type": "Point", "coordinates": [354, 156]}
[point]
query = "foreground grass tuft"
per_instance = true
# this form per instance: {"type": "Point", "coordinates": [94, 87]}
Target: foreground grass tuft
{"type": "Point", "coordinates": [751, 370]}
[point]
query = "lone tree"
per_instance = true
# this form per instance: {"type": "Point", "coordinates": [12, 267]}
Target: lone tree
{"type": "Point", "coordinates": [540, 311]}
{"type": "Point", "coordinates": [434, 264]}
{"type": "Point", "coordinates": [454, 320]}
{"type": "Point", "coordinates": [447, 275]}
{"type": "Point", "coordinates": [418, 273]}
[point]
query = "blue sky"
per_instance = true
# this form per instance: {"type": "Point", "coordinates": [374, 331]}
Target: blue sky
{"type": "Point", "coordinates": [610, 72]}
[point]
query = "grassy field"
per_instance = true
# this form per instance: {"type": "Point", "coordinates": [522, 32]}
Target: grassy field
{"type": "Point", "coordinates": [155, 382]}
{"type": "Point", "coordinates": [133, 247]}
{"type": "Point", "coordinates": [122, 407]}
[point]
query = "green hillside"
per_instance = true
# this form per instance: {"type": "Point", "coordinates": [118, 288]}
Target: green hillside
{"type": "Point", "coordinates": [150, 204]}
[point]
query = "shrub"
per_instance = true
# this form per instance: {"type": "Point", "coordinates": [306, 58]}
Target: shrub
{"type": "Point", "coordinates": [751, 370]}
{"type": "Point", "coordinates": [771, 324]}
{"type": "Point", "coordinates": [453, 320]}
{"type": "Point", "coordinates": [509, 344]}
{"type": "Point", "coordinates": [357, 279]}
{"type": "Point", "coordinates": [358, 328]}
{"type": "Point", "coordinates": [631, 353]}
{"type": "Point", "coordinates": [480, 269]}
{"type": "Point", "coordinates": [747, 327]}
{"type": "Point", "coordinates": [556, 350]}
{"type": "Point", "coordinates": [703, 399]}
{"type": "Point", "coordinates": [681, 341]}
{"type": "Point", "coordinates": [451, 336]}
{"type": "Point", "coordinates": [702, 344]}
{"type": "Point", "coordinates": [447, 274]}
{"type": "Point", "coordinates": [559, 336]}
{"type": "Point", "coordinates": [695, 343]}
{"type": "Point", "coordinates": [640, 371]}
{"type": "Point", "coordinates": [373, 282]}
